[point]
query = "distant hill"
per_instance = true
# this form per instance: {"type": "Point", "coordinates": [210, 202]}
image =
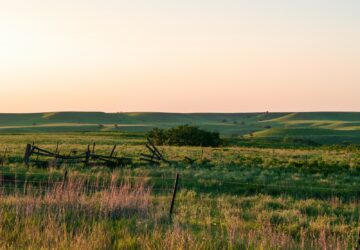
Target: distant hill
{"type": "Point", "coordinates": [324, 127]}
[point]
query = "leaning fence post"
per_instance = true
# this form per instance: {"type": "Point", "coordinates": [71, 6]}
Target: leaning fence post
{"type": "Point", "coordinates": [112, 151]}
{"type": "Point", "coordinates": [5, 153]}
{"type": "Point", "coordinates": [174, 194]}
{"type": "Point", "coordinates": [27, 154]}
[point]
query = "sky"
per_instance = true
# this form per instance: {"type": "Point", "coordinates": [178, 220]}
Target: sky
{"type": "Point", "coordinates": [179, 56]}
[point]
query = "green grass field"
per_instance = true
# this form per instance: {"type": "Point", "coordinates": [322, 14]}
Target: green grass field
{"type": "Point", "coordinates": [233, 197]}
{"type": "Point", "coordinates": [306, 128]}
{"type": "Point", "coordinates": [280, 181]}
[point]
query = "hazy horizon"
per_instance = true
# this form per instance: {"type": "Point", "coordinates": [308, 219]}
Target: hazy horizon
{"type": "Point", "coordinates": [205, 112]}
{"type": "Point", "coordinates": [179, 56]}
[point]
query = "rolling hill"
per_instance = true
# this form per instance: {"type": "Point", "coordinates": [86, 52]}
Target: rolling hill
{"type": "Point", "coordinates": [322, 127]}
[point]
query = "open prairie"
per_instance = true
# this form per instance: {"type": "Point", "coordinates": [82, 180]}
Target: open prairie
{"type": "Point", "coordinates": [235, 197]}
{"type": "Point", "coordinates": [179, 125]}
{"type": "Point", "coordinates": [320, 128]}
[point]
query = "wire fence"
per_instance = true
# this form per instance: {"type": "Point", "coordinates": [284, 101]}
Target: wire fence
{"type": "Point", "coordinates": [161, 188]}
{"type": "Point", "coordinates": [164, 184]}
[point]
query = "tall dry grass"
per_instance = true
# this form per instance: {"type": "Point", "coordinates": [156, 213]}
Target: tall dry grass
{"type": "Point", "coordinates": [70, 216]}
{"type": "Point", "coordinates": [127, 215]}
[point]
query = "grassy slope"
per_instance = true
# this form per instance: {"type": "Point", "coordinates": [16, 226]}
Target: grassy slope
{"type": "Point", "coordinates": [66, 121]}
{"type": "Point", "coordinates": [125, 118]}
{"type": "Point", "coordinates": [323, 127]}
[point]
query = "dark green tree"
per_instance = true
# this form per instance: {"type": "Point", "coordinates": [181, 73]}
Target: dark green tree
{"type": "Point", "coordinates": [185, 136]}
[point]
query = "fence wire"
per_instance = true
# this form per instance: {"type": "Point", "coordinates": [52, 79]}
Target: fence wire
{"type": "Point", "coordinates": [165, 183]}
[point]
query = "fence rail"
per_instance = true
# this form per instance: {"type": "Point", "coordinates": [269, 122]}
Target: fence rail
{"type": "Point", "coordinates": [85, 157]}
{"type": "Point", "coordinates": [154, 156]}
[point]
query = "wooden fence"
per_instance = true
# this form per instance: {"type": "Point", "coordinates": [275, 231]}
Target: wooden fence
{"type": "Point", "coordinates": [89, 157]}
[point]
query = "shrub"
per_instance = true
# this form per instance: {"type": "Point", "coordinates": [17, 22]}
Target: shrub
{"type": "Point", "coordinates": [158, 136]}
{"type": "Point", "coordinates": [185, 136]}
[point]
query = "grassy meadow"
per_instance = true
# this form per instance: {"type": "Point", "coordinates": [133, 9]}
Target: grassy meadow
{"type": "Point", "coordinates": [280, 181]}
{"type": "Point", "coordinates": [317, 128]}
{"type": "Point", "coordinates": [233, 197]}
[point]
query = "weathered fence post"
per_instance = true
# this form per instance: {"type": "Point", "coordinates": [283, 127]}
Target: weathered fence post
{"type": "Point", "coordinates": [87, 157]}
{"type": "Point", "coordinates": [93, 149]}
{"type": "Point", "coordinates": [57, 148]}
{"type": "Point", "coordinates": [174, 195]}
{"type": "Point", "coordinates": [27, 154]}
{"type": "Point", "coordinates": [65, 180]}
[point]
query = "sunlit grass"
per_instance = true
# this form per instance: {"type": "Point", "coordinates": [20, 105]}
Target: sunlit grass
{"type": "Point", "coordinates": [229, 198]}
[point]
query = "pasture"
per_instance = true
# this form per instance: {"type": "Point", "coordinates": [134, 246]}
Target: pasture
{"type": "Point", "coordinates": [261, 129]}
{"type": "Point", "coordinates": [233, 197]}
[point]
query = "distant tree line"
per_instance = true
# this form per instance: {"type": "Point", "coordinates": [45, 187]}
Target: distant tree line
{"type": "Point", "coordinates": [185, 135]}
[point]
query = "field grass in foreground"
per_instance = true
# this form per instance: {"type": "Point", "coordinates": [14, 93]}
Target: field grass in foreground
{"type": "Point", "coordinates": [229, 198]}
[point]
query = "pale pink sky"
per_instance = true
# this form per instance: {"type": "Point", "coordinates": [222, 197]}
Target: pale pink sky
{"type": "Point", "coordinates": [179, 56]}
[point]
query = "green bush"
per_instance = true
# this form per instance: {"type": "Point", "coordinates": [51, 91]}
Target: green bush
{"type": "Point", "coordinates": [185, 136]}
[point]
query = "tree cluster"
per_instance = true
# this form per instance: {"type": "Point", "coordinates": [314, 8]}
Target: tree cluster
{"type": "Point", "coordinates": [185, 136]}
